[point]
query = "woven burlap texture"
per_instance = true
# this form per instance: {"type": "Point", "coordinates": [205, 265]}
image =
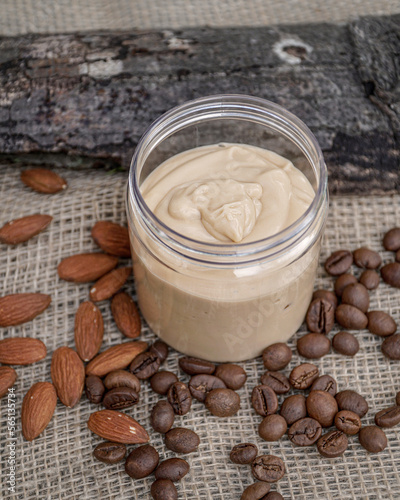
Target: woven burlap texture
{"type": "Point", "coordinates": [59, 463]}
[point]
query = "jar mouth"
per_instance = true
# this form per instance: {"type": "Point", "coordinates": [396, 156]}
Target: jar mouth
{"type": "Point", "coordinates": [219, 107]}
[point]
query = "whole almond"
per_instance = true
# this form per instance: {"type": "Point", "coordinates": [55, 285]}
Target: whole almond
{"type": "Point", "coordinates": [20, 230]}
{"type": "Point", "coordinates": [68, 375]}
{"type": "Point", "coordinates": [109, 284]}
{"type": "Point", "coordinates": [37, 409]}
{"type": "Point", "coordinates": [21, 351]}
{"type": "Point", "coordinates": [112, 238]}
{"type": "Point", "coordinates": [19, 308]}
{"type": "Point", "coordinates": [116, 357]}
{"type": "Point", "coordinates": [126, 315]}
{"type": "Point", "coordinates": [89, 329]}
{"type": "Point", "coordinates": [85, 267]}
{"type": "Point", "coordinates": [43, 180]}
{"type": "Point", "coordinates": [8, 376]}
{"type": "Point", "coordinates": [118, 427]}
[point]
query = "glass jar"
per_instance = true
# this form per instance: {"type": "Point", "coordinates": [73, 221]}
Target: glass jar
{"type": "Point", "coordinates": [225, 302]}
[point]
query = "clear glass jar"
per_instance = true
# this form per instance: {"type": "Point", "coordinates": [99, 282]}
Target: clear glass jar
{"type": "Point", "coordinates": [225, 302]}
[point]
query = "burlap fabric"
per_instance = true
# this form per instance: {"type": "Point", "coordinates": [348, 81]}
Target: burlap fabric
{"type": "Point", "coordinates": [59, 464]}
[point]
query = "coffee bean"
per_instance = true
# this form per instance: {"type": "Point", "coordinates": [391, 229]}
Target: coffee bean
{"type": "Point", "coordinates": [173, 468]}
{"type": "Point", "coordinates": [145, 365]}
{"type": "Point", "coordinates": [179, 397]}
{"type": "Point", "coordinates": [160, 349]}
{"type": "Point", "coordinates": [391, 240]}
{"type": "Point", "coordinates": [398, 399]}
{"type": "Point", "coordinates": [294, 408]}
{"type": "Point", "coordinates": [372, 438]}
{"type": "Point", "coordinates": [343, 281]}
{"type": "Point", "coordinates": [397, 256]}
{"type": "Point", "coordinates": [141, 462]}
{"type": "Point", "coordinates": [162, 417]}
{"type": "Point", "coordinates": [356, 295]}
{"type": "Point", "coordinates": [302, 376]}
{"type": "Point", "coordinates": [327, 295]}
{"type": "Point", "coordinates": [264, 400]}
{"type": "Point", "coordinates": [160, 382]}
{"type": "Point", "coordinates": [256, 491]}
{"type": "Point", "coordinates": [194, 366]}
{"type": "Point", "coordinates": [181, 440]}
{"type": "Point", "coordinates": [120, 397]}
{"type": "Point", "coordinates": [320, 316]}
{"type": "Point", "coordinates": [322, 406]}
{"type": "Point", "coordinates": [345, 343]}
{"type": "Point", "coordinates": [276, 356]}
{"type": "Point", "coordinates": [268, 468]}
{"type": "Point", "coordinates": [233, 376]}
{"type": "Point", "coordinates": [94, 389]}
{"type": "Point", "coordinates": [381, 323]}
{"type": "Point", "coordinates": [338, 262]}
{"type": "Point", "coordinates": [391, 347]}
{"type": "Point", "coordinates": [110, 453]}
{"type": "Point", "coordinates": [391, 274]}
{"type": "Point", "coordinates": [278, 382]}
{"type": "Point", "coordinates": [122, 378]}
{"type": "Point", "coordinates": [325, 383]}
{"type": "Point", "coordinates": [222, 402]}
{"type": "Point", "coordinates": [273, 495]}
{"type": "Point", "coordinates": [370, 279]}
{"type": "Point", "coordinates": [389, 417]}
{"type": "Point", "coordinates": [333, 444]}
{"type": "Point", "coordinates": [305, 432]}
{"type": "Point", "coordinates": [243, 453]}
{"type": "Point", "coordinates": [366, 258]}
{"type": "Point", "coordinates": [201, 385]}
{"type": "Point", "coordinates": [350, 317]}
{"type": "Point", "coordinates": [163, 489]}
{"type": "Point", "coordinates": [272, 428]}
{"type": "Point", "coordinates": [348, 422]}
{"type": "Point", "coordinates": [351, 400]}
{"type": "Point", "coordinates": [313, 345]}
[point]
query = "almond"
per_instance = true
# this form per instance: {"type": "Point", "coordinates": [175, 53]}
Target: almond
{"type": "Point", "coordinates": [89, 329]}
{"type": "Point", "coordinates": [19, 308]}
{"type": "Point", "coordinates": [118, 427]}
{"type": "Point", "coordinates": [116, 357]}
{"type": "Point", "coordinates": [43, 180]}
{"type": "Point", "coordinates": [68, 375]}
{"type": "Point", "coordinates": [21, 351]}
{"type": "Point", "coordinates": [109, 284]}
{"type": "Point", "coordinates": [20, 230]}
{"type": "Point", "coordinates": [85, 267]}
{"type": "Point", "coordinates": [37, 409]}
{"type": "Point", "coordinates": [126, 315]}
{"type": "Point", "coordinates": [8, 376]}
{"type": "Point", "coordinates": [112, 238]}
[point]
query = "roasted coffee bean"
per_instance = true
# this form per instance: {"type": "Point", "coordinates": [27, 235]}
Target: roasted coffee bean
{"type": "Point", "coordinates": [173, 468]}
{"type": "Point", "coordinates": [370, 279]}
{"type": "Point", "coordinates": [278, 382]}
{"type": "Point", "coordinates": [179, 397]}
{"type": "Point", "coordinates": [268, 468]}
{"type": "Point", "coordinates": [305, 432]}
{"type": "Point", "coordinates": [201, 385]}
{"type": "Point", "coordinates": [348, 422]}
{"type": "Point", "coordinates": [302, 376]}
{"type": "Point", "coordinates": [351, 400]}
{"type": "Point", "coordinates": [350, 317]}
{"type": "Point", "coordinates": [391, 240]}
{"type": "Point", "coordinates": [120, 397]}
{"type": "Point", "coordinates": [162, 417]}
{"type": "Point", "coordinates": [343, 281]}
{"type": "Point", "coordinates": [381, 323]}
{"type": "Point", "coordinates": [345, 343]}
{"type": "Point", "coordinates": [276, 356]}
{"type": "Point", "coordinates": [322, 406]}
{"type": "Point", "coordinates": [333, 444]}
{"type": "Point", "coordinates": [372, 438]}
{"type": "Point", "coordinates": [141, 462]}
{"type": "Point", "coordinates": [195, 366]}
{"type": "Point", "coordinates": [320, 316]}
{"type": "Point", "coordinates": [391, 274]}
{"type": "Point", "coordinates": [145, 365]}
{"type": "Point", "coordinates": [397, 256]}
{"type": "Point", "coordinates": [272, 428]}
{"type": "Point", "coordinates": [160, 349]}
{"type": "Point", "coordinates": [264, 400]}
{"type": "Point", "coordinates": [181, 440]}
{"type": "Point", "coordinates": [110, 453]}
{"type": "Point", "coordinates": [339, 262]}
{"type": "Point", "coordinates": [325, 383]}
{"type": "Point", "coordinates": [327, 295]}
{"type": "Point", "coordinates": [222, 402]}
{"type": "Point", "coordinates": [94, 389]}
{"type": "Point", "coordinates": [233, 376]}
{"type": "Point", "coordinates": [273, 495]}
{"type": "Point", "coordinates": [122, 378]}
{"type": "Point", "coordinates": [294, 408]}
{"type": "Point", "coordinates": [398, 399]}
{"type": "Point", "coordinates": [356, 295]}
{"type": "Point", "coordinates": [243, 453]}
{"type": "Point", "coordinates": [389, 417]}
{"type": "Point", "coordinates": [256, 491]}
{"type": "Point", "coordinates": [391, 347]}
{"type": "Point", "coordinates": [366, 258]}
{"type": "Point", "coordinates": [163, 489]}
{"type": "Point", "coordinates": [160, 382]}
{"type": "Point", "coordinates": [313, 345]}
